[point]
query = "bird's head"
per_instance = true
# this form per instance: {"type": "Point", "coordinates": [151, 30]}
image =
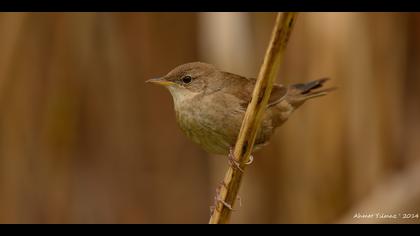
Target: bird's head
{"type": "Point", "coordinates": [188, 80]}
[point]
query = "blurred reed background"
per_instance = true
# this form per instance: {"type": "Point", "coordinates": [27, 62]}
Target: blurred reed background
{"type": "Point", "coordinates": [84, 140]}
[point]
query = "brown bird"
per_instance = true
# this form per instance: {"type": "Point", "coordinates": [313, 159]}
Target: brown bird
{"type": "Point", "coordinates": [210, 104]}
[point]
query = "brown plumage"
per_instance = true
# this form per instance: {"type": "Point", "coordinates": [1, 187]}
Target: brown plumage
{"type": "Point", "coordinates": [210, 104]}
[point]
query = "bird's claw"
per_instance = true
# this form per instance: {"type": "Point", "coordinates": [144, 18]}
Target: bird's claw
{"type": "Point", "coordinates": [234, 163]}
{"type": "Point", "coordinates": [217, 199]}
{"type": "Point", "coordinates": [251, 159]}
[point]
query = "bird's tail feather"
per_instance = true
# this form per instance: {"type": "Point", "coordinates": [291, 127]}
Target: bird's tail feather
{"type": "Point", "coordinates": [299, 93]}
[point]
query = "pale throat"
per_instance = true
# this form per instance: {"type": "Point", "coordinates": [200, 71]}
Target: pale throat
{"type": "Point", "coordinates": [180, 95]}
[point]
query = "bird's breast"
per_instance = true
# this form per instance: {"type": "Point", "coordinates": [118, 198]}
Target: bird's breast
{"type": "Point", "coordinates": [209, 122]}
{"type": "Point", "coordinates": [214, 121]}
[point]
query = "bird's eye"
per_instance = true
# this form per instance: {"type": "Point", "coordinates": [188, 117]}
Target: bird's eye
{"type": "Point", "coordinates": [186, 79]}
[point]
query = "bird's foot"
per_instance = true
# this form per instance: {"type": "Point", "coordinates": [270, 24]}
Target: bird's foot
{"type": "Point", "coordinates": [218, 199]}
{"type": "Point", "coordinates": [250, 160]}
{"type": "Point", "coordinates": [233, 162]}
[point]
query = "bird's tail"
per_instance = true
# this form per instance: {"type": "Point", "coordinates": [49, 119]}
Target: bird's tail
{"type": "Point", "coordinates": [299, 93]}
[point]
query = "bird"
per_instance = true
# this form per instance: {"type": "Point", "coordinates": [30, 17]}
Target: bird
{"type": "Point", "coordinates": [210, 104]}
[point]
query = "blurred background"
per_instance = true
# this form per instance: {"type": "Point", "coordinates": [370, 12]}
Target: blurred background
{"type": "Point", "coordinates": [84, 140]}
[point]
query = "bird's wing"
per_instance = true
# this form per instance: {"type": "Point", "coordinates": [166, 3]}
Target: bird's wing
{"type": "Point", "coordinates": [246, 87]}
{"type": "Point", "coordinates": [278, 93]}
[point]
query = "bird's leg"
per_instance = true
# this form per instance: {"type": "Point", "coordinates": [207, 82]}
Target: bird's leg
{"type": "Point", "coordinates": [235, 163]}
{"type": "Point", "coordinates": [232, 161]}
{"type": "Point", "coordinates": [218, 199]}
{"type": "Point", "coordinates": [251, 159]}
{"type": "Point", "coordinates": [224, 203]}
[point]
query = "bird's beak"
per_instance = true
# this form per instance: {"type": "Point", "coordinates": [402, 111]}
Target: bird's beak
{"type": "Point", "coordinates": [160, 81]}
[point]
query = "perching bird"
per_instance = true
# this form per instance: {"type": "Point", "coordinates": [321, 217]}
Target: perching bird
{"type": "Point", "coordinates": [210, 104]}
